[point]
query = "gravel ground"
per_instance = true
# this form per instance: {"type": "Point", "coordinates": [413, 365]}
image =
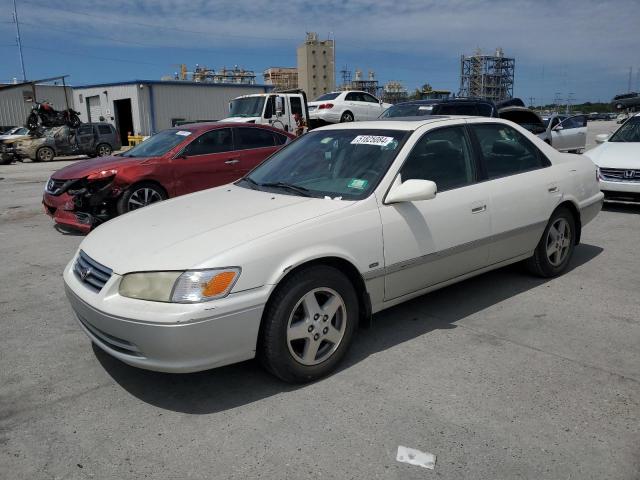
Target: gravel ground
{"type": "Point", "coordinates": [501, 376]}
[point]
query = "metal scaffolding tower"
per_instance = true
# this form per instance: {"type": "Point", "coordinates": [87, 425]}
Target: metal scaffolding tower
{"type": "Point", "coordinates": [487, 76]}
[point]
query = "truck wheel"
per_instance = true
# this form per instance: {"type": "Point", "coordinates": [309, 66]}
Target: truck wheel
{"type": "Point", "coordinates": [308, 324]}
{"type": "Point", "coordinates": [346, 117]}
{"type": "Point", "coordinates": [103, 150]}
{"type": "Point", "coordinates": [140, 195]}
{"type": "Point", "coordinates": [45, 154]}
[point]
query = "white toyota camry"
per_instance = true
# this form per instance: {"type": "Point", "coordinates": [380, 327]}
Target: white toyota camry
{"type": "Point", "coordinates": [344, 222]}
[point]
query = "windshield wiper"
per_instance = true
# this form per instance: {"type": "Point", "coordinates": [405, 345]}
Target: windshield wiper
{"type": "Point", "coordinates": [287, 186]}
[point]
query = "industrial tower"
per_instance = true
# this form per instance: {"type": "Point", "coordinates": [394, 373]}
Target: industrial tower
{"type": "Point", "coordinates": [487, 76]}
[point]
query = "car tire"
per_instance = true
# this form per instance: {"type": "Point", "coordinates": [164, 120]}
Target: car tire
{"type": "Point", "coordinates": [346, 117]}
{"type": "Point", "coordinates": [555, 249]}
{"type": "Point", "coordinates": [45, 154]}
{"type": "Point", "coordinates": [140, 195]}
{"type": "Point", "coordinates": [298, 341]}
{"type": "Point", "coordinates": [103, 150]}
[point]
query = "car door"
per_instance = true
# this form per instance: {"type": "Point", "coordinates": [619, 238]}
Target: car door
{"type": "Point", "coordinates": [523, 192]}
{"type": "Point", "coordinates": [573, 134]}
{"type": "Point", "coordinates": [85, 138]}
{"type": "Point", "coordinates": [209, 160]}
{"type": "Point", "coordinates": [431, 241]}
{"type": "Point", "coordinates": [253, 145]}
{"type": "Point", "coordinates": [374, 108]}
{"type": "Point", "coordinates": [355, 104]}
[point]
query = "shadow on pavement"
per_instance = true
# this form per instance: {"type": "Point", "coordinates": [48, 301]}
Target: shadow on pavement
{"type": "Point", "coordinates": [621, 207]}
{"type": "Point", "coordinates": [244, 383]}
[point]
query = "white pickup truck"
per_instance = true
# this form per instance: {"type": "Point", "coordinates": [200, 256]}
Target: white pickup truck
{"type": "Point", "coordinates": [280, 110]}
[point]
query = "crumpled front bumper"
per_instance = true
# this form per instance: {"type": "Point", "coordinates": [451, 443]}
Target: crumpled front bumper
{"type": "Point", "coordinates": [62, 209]}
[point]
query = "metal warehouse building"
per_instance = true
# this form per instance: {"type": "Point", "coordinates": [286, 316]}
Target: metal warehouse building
{"type": "Point", "coordinates": [16, 101]}
{"type": "Point", "coordinates": [144, 107]}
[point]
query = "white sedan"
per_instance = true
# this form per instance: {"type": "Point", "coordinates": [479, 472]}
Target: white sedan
{"type": "Point", "coordinates": [618, 160]}
{"type": "Point", "coordinates": [348, 106]}
{"type": "Point", "coordinates": [567, 134]}
{"type": "Point", "coordinates": [346, 221]}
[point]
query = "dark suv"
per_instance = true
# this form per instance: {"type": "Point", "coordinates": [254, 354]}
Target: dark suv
{"type": "Point", "coordinates": [92, 139]}
{"type": "Point", "coordinates": [475, 107]}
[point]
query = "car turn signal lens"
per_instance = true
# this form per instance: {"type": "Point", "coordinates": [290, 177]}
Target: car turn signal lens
{"type": "Point", "coordinates": [204, 285]}
{"type": "Point", "coordinates": [218, 284]}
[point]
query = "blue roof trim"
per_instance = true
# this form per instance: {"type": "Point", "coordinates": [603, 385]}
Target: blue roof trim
{"type": "Point", "coordinates": [175, 82]}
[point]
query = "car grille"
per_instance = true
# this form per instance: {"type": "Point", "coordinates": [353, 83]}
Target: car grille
{"type": "Point", "coordinates": [93, 274]}
{"type": "Point", "coordinates": [54, 187]}
{"type": "Point", "coordinates": [620, 174]}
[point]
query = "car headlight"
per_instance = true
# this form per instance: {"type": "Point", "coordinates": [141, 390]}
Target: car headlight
{"type": "Point", "coordinates": [192, 286]}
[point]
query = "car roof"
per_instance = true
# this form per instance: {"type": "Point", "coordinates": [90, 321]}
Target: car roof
{"type": "Point", "coordinates": [432, 101]}
{"type": "Point", "coordinates": [399, 123]}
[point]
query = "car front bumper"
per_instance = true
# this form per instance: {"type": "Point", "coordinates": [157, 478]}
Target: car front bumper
{"type": "Point", "coordinates": [62, 209]}
{"type": "Point", "coordinates": [181, 337]}
{"type": "Point", "coordinates": [620, 189]}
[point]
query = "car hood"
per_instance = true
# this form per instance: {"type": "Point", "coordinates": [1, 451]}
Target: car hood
{"type": "Point", "coordinates": [188, 231]}
{"type": "Point", "coordinates": [616, 155]}
{"type": "Point", "coordinates": [82, 168]}
{"type": "Point", "coordinates": [240, 119]}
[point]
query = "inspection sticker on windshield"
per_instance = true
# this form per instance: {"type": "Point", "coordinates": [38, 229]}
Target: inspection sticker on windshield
{"type": "Point", "coordinates": [358, 183]}
{"type": "Point", "coordinates": [372, 140]}
{"type": "Point", "coordinates": [184, 133]}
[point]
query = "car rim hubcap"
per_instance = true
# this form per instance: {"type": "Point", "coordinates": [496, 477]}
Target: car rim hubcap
{"type": "Point", "coordinates": [103, 151]}
{"type": "Point", "coordinates": [46, 155]}
{"type": "Point", "coordinates": [316, 326]}
{"type": "Point", "coordinates": [558, 242]}
{"type": "Point", "coordinates": [143, 197]}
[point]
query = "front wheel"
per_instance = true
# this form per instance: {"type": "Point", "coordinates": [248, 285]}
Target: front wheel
{"type": "Point", "coordinates": [308, 324]}
{"type": "Point", "coordinates": [555, 248]}
{"type": "Point", "coordinates": [138, 196]}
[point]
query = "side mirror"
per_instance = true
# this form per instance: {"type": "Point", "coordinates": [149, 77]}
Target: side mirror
{"type": "Point", "coordinates": [603, 137]}
{"type": "Point", "coordinates": [412, 191]}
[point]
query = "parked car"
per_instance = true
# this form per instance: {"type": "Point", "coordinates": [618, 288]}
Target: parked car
{"type": "Point", "coordinates": [346, 221]}
{"type": "Point", "coordinates": [458, 106]}
{"type": "Point", "coordinates": [7, 143]}
{"type": "Point", "coordinates": [92, 139]}
{"type": "Point", "coordinates": [171, 163]}
{"type": "Point", "coordinates": [567, 133]}
{"type": "Point", "coordinates": [347, 106]}
{"type": "Point", "coordinates": [618, 160]}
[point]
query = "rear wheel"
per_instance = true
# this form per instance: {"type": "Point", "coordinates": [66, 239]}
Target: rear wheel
{"type": "Point", "coordinates": [103, 150]}
{"type": "Point", "coordinates": [553, 253]}
{"type": "Point", "coordinates": [346, 117]}
{"type": "Point", "coordinates": [140, 195]}
{"type": "Point", "coordinates": [45, 154]}
{"type": "Point", "coordinates": [308, 324]}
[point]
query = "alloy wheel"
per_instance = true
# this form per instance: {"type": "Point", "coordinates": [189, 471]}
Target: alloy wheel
{"type": "Point", "coordinates": [104, 150]}
{"type": "Point", "coordinates": [143, 197]}
{"type": "Point", "coordinates": [558, 241]}
{"type": "Point", "coordinates": [316, 326]}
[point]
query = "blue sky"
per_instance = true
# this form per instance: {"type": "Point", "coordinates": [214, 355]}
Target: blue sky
{"type": "Point", "coordinates": [579, 47]}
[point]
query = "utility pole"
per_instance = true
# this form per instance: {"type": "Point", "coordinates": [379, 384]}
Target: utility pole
{"type": "Point", "coordinates": [569, 103]}
{"type": "Point", "coordinates": [630, 76]}
{"type": "Point", "coordinates": [15, 19]}
{"type": "Point", "coordinates": [531, 99]}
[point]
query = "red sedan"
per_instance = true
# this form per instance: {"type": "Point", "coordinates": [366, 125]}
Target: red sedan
{"type": "Point", "coordinates": [171, 163]}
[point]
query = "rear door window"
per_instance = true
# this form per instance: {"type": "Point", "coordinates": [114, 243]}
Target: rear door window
{"type": "Point", "coordinates": [247, 138]}
{"type": "Point", "coordinates": [104, 129]}
{"type": "Point", "coordinates": [213, 141]}
{"type": "Point", "coordinates": [506, 151]}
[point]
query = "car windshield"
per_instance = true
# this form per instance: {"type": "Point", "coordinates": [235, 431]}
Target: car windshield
{"type": "Point", "coordinates": [346, 164]}
{"type": "Point", "coordinates": [628, 132]}
{"type": "Point", "coordinates": [327, 96]}
{"type": "Point", "coordinates": [247, 107]}
{"type": "Point", "coordinates": [159, 144]}
{"type": "Point", "coordinates": [408, 110]}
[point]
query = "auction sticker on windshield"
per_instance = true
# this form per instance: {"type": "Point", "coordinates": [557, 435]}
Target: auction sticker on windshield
{"type": "Point", "coordinates": [358, 183]}
{"type": "Point", "coordinates": [184, 133]}
{"type": "Point", "coordinates": [372, 140]}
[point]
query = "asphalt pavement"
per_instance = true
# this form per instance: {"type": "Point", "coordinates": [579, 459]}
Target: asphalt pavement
{"type": "Point", "coordinates": [503, 376]}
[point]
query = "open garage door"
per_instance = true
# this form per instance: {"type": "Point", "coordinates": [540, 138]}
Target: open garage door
{"type": "Point", "coordinates": [94, 110]}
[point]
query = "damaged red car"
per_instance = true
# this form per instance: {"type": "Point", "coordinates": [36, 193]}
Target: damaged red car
{"type": "Point", "coordinates": [171, 163]}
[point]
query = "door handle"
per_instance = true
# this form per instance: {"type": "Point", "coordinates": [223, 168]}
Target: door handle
{"type": "Point", "coordinates": [553, 189]}
{"type": "Point", "coordinates": [478, 209]}
{"type": "Point", "coordinates": [232, 161]}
